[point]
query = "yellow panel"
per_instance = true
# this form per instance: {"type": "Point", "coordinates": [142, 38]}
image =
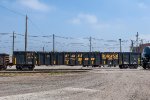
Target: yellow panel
{"type": "Point", "coordinates": [139, 62]}
{"type": "Point", "coordinates": [54, 62]}
{"type": "Point", "coordinates": [104, 62]}
{"type": "Point", "coordinates": [92, 62]}
{"type": "Point", "coordinates": [103, 56]}
{"type": "Point", "coordinates": [15, 60]}
{"type": "Point", "coordinates": [66, 62]}
{"type": "Point", "coordinates": [115, 56]}
{"type": "Point", "coordinates": [92, 58]}
{"type": "Point", "coordinates": [79, 55]}
{"type": "Point", "coordinates": [79, 59]}
{"type": "Point", "coordinates": [80, 62]}
{"type": "Point", "coordinates": [86, 59]}
{"type": "Point", "coordinates": [73, 55]}
{"type": "Point", "coordinates": [120, 62]}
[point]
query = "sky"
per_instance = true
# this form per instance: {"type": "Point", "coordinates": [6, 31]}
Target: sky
{"type": "Point", "coordinates": [73, 22]}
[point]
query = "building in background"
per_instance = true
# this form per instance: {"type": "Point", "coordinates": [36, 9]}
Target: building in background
{"type": "Point", "coordinates": [140, 48]}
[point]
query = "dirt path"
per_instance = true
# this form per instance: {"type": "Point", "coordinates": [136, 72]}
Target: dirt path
{"type": "Point", "coordinates": [98, 84]}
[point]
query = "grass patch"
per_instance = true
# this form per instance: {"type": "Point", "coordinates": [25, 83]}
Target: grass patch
{"type": "Point", "coordinates": [31, 74]}
{"type": "Point", "coordinates": [15, 74]}
{"type": "Point", "coordinates": [58, 73]}
{"type": "Point", "coordinates": [39, 73]}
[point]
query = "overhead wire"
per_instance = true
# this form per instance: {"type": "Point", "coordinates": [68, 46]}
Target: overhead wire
{"type": "Point", "coordinates": [35, 25]}
{"type": "Point", "coordinates": [64, 37]}
{"type": "Point", "coordinates": [47, 36]}
{"type": "Point", "coordinates": [13, 11]}
{"type": "Point", "coordinates": [24, 15]}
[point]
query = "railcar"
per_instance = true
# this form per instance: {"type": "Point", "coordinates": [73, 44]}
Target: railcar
{"type": "Point", "coordinates": [129, 60]}
{"type": "Point", "coordinates": [110, 59]}
{"type": "Point", "coordinates": [43, 58]}
{"type": "Point", "coordinates": [91, 59]}
{"type": "Point", "coordinates": [24, 60]}
{"type": "Point", "coordinates": [146, 58]}
{"type": "Point", "coordinates": [30, 59]}
{"type": "Point", "coordinates": [4, 61]}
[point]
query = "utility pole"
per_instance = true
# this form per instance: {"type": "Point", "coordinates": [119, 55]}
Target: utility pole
{"type": "Point", "coordinates": [90, 43]}
{"type": "Point", "coordinates": [132, 45]}
{"type": "Point", "coordinates": [140, 45]}
{"type": "Point", "coordinates": [26, 33]}
{"type": "Point", "coordinates": [137, 39]}
{"type": "Point", "coordinates": [53, 43]}
{"type": "Point", "coordinates": [13, 45]}
{"type": "Point", "coordinates": [43, 49]}
{"type": "Point", "coordinates": [120, 45]}
{"type": "Point", "coordinates": [141, 41]}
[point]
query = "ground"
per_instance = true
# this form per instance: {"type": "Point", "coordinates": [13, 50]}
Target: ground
{"type": "Point", "coordinates": [96, 84]}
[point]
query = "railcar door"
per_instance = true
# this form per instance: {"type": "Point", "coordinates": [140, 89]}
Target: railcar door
{"type": "Point", "coordinates": [60, 58]}
{"type": "Point", "coordinates": [86, 59]}
{"type": "Point", "coordinates": [41, 58]}
{"type": "Point", "coordinates": [47, 58]}
{"type": "Point", "coordinates": [79, 56]}
{"type": "Point", "coordinates": [30, 58]}
{"type": "Point", "coordinates": [72, 59]}
{"type": "Point", "coordinates": [66, 57]}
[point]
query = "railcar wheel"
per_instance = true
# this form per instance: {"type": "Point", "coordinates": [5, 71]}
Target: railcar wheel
{"type": "Point", "coordinates": [148, 67]}
{"type": "Point", "coordinates": [136, 66]}
{"type": "Point", "coordinates": [1, 68]}
{"type": "Point", "coordinates": [21, 67]}
{"type": "Point", "coordinates": [120, 66]}
{"type": "Point", "coordinates": [17, 67]}
{"type": "Point", "coordinates": [144, 66]}
{"type": "Point", "coordinates": [131, 66]}
{"type": "Point", "coordinates": [31, 68]}
{"type": "Point", "coordinates": [5, 67]}
{"type": "Point", "coordinates": [126, 66]}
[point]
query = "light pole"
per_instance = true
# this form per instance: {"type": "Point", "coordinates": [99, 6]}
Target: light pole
{"type": "Point", "coordinates": [120, 45]}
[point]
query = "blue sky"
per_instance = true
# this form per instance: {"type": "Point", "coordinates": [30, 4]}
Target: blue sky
{"type": "Point", "coordinates": [77, 20]}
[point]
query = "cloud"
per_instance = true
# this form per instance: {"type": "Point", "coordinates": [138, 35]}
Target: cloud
{"type": "Point", "coordinates": [76, 21]}
{"type": "Point", "coordinates": [35, 5]}
{"type": "Point", "coordinates": [142, 5]}
{"type": "Point", "coordinates": [89, 20]}
{"type": "Point", "coordinates": [85, 18]}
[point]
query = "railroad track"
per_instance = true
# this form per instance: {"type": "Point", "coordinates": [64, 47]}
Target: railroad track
{"type": "Point", "coordinates": [46, 71]}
